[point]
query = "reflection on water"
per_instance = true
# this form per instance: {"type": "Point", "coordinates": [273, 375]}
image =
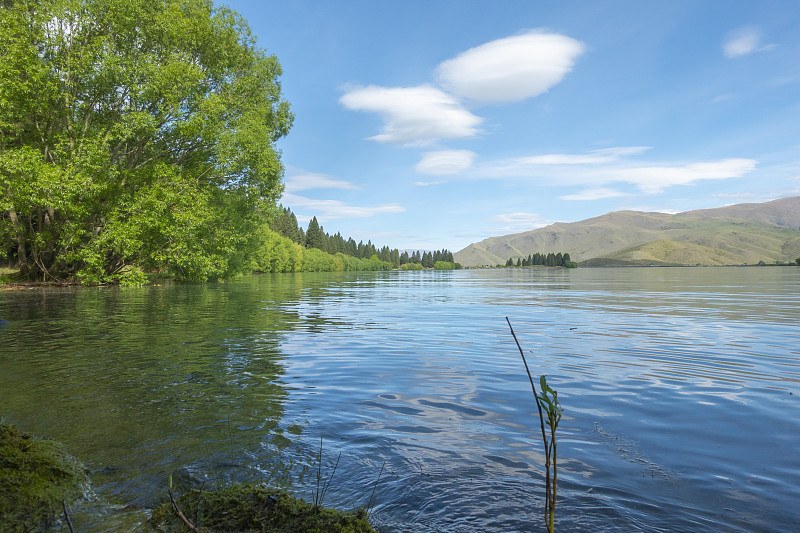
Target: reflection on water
{"type": "Point", "coordinates": [680, 389]}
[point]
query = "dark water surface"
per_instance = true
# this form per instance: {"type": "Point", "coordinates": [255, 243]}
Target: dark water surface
{"type": "Point", "coordinates": [681, 390]}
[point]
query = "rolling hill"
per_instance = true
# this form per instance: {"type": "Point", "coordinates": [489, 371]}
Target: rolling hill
{"type": "Point", "coordinates": [735, 234]}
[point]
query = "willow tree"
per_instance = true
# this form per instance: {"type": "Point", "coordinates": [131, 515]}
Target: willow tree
{"type": "Point", "coordinates": [135, 134]}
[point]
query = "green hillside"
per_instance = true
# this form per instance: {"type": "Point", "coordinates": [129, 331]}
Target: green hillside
{"type": "Point", "coordinates": [739, 234]}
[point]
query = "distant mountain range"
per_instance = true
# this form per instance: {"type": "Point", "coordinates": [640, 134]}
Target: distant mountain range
{"type": "Point", "coordinates": [731, 235]}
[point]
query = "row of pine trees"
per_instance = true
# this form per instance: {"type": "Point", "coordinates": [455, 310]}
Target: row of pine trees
{"type": "Point", "coordinates": [285, 224]}
{"type": "Point", "coordinates": [538, 259]}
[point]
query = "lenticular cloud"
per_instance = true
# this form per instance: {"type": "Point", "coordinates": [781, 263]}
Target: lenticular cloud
{"type": "Point", "coordinates": [413, 115]}
{"type": "Point", "coordinates": [510, 69]}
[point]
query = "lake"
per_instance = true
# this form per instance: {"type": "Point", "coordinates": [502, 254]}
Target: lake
{"type": "Point", "coordinates": [680, 389]}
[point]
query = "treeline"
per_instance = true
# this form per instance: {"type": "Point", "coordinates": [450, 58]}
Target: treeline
{"type": "Point", "coordinates": [280, 254]}
{"type": "Point", "coordinates": [537, 259]}
{"type": "Point", "coordinates": [314, 237]}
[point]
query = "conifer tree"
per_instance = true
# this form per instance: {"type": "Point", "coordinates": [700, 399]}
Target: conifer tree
{"type": "Point", "coordinates": [314, 235]}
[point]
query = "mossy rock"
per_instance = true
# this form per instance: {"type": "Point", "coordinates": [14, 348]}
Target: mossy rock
{"type": "Point", "coordinates": [36, 476]}
{"type": "Point", "coordinates": [245, 507]}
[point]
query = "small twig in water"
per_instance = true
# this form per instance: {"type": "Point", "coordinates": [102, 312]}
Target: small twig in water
{"type": "Point", "coordinates": [330, 478]}
{"type": "Point", "coordinates": [319, 473]}
{"type": "Point", "coordinates": [66, 515]}
{"type": "Point", "coordinates": [197, 507]}
{"type": "Point", "coordinates": [375, 486]}
{"type": "Point", "coordinates": [178, 511]}
{"type": "Point", "coordinates": [319, 497]}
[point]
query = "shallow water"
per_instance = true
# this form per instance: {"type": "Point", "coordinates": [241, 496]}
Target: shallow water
{"type": "Point", "coordinates": [681, 390]}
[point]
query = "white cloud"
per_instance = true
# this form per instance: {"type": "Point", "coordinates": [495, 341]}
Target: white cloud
{"type": "Point", "coordinates": [505, 70]}
{"type": "Point", "coordinates": [510, 69]}
{"type": "Point", "coordinates": [517, 220]}
{"type": "Point", "coordinates": [413, 115]}
{"type": "Point", "coordinates": [593, 194]}
{"type": "Point", "coordinates": [606, 155]}
{"type": "Point", "coordinates": [743, 41]}
{"type": "Point", "coordinates": [516, 223]}
{"type": "Point", "coordinates": [335, 209]}
{"type": "Point", "coordinates": [656, 178]}
{"type": "Point", "coordinates": [651, 209]}
{"type": "Point", "coordinates": [738, 197]}
{"type": "Point", "coordinates": [602, 167]}
{"type": "Point", "coordinates": [443, 162]}
{"type": "Point", "coordinates": [300, 180]}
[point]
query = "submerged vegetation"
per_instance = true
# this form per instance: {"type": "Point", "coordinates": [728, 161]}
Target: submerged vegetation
{"type": "Point", "coordinates": [254, 508]}
{"type": "Point", "coordinates": [38, 479]}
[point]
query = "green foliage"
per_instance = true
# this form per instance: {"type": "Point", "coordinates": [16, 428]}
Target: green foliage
{"type": "Point", "coordinates": [134, 135]}
{"type": "Point", "coordinates": [284, 223]}
{"type": "Point", "coordinates": [36, 476]}
{"type": "Point", "coordinates": [548, 400]}
{"type": "Point", "coordinates": [353, 263]}
{"type": "Point", "coordinates": [256, 508]}
{"type": "Point", "coordinates": [411, 266]}
{"type": "Point", "coordinates": [446, 265]}
{"type": "Point", "coordinates": [276, 254]}
{"type": "Point", "coordinates": [318, 261]}
{"type": "Point", "coordinates": [315, 237]}
{"type": "Point", "coordinates": [279, 254]}
{"type": "Point", "coordinates": [797, 260]}
{"type": "Point", "coordinates": [8, 275]}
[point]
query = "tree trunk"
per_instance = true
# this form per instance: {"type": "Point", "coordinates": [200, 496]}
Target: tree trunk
{"type": "Point", "coordinates": [22, 254]}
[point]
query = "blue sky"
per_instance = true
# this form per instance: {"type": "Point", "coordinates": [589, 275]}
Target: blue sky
{"type": "Point", "coordinates": [435, 124]}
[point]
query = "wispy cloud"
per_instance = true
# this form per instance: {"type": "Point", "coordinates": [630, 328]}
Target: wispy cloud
{"type": "Point", "coordinates": [605, 155]}
{"type": "Point", "coordinates": [652, 209]}
{"type": "Point", "coordinates": [593, 194]}
{"type": "Point", "coordinates": [516, 222]}
{"type": "Point", "coordinates": [335, 209]}
{"type": "Point", "coordinates": [301, 180]}
{"type": "Point", "coordinates": [654, 179]}
{"type": "Point", "coordinates": [743, 41]}
{"type": "Point", "coordinates": [722, 98]}
{"type": "Point", "coordinates": [603, 167]}
{"type": "Point", "coordinates": [444, 162]}
{"type": "Point", "coordinates": [737, 197]}
{"type": "Point", "coordinates": [413, 115]}
{"type": "Point", "coordinates": [510, 69]}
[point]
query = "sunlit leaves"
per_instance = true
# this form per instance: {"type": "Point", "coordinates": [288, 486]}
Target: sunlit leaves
{"type": "Point", "coordinates": [549, 401]}
{"type": "Point", "coordinates": [135, 135]}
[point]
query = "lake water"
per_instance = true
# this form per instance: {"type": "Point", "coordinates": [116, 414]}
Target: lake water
{"type": "Point", "coordinates": [680, 388]}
